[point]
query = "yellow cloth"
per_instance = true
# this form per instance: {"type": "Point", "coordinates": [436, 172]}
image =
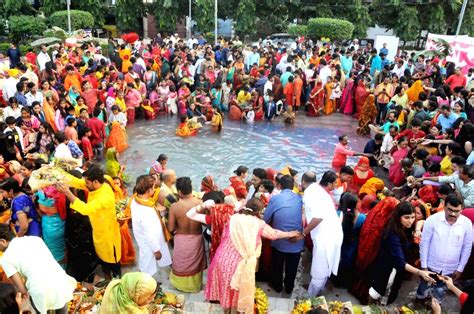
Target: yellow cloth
{"type": "Point", "coordinates": [100, 208]}
{"type": "Point", "coordinates": [371, 187]}
{"type": "Point", "coordinates": [78, 109]}
{"type": "Point", "coordinates": [414, 91]}
{"type": "Point", "coordinates": [446, 166]}
{"type": "Point", "coordinates": [190, 284]}
{"type": "Point", "coordinates": [124, 295]}
{"type": "Point", "coordinates": [244, 231]}
{"type": "Point", "coordinates": [243, 97]}
{"type": "Point", "coordinates": [216, 121]}
{"type": "Point", "coordinates": [121, 104]}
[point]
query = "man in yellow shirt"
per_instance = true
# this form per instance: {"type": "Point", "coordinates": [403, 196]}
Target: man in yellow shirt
{"type": "Point", "coordinates": [100, 208]}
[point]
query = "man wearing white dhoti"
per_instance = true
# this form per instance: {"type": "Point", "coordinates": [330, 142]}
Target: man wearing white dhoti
{"type": "Point", "coordinates": [324, 226]}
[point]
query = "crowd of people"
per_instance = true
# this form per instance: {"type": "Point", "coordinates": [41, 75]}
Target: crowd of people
{"type": "Point", "coordinates": [365, 231]}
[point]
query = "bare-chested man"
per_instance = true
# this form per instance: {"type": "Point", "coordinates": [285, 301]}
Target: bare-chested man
{"type": "Point", "coordinates": [189, 258]}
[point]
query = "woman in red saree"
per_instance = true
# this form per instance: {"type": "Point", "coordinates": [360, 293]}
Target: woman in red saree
{"type": "Point", "coordinates": [395, 173]}
{"type": "Point", "coordinates": [238, 182]}
{"type": "Point", "coordinates": [258, 106]}
{"type": "Point", "coordinates": [347, 100]}
{"type": "Point", "coordinates": [369, 244]}
{"type": "Point", "coordinates": [361, 94]}
{"type": "Point", "coordinates": [316, 98]}
{"type": "Point", "coordinates": [362, 173]}
{"type": "Point", "coordinates": [235, 112]}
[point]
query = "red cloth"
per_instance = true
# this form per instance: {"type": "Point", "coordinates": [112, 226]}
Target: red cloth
{"type": "Point", "coordinates": [97, 129]}
{"type": "Point", "coordinates": [462, 298]}
{"type": "Point", "coordinates": [208, 184]}
{"type": "Point", "coordinates": [87, 148]}
{"type": "Point", "coordinates": [239, 187]}
{"type": "Point", "coordinates": [371, 232]}
{"type": "Point", "coordinates": [220, 216]}
{"type": "Point", "coordinates": [91, 97]}
{"type": "Point", "coordinates": [428, 194]}
{"type": "Point", "coordinates": [59, 200]}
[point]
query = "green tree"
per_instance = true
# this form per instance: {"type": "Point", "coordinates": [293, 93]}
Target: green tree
{"type": "Point", "coordinates": [245, 18]}
{"type": "Point", "coordinates": [166, 14]}
{"type": "Point", "coordinates": [79, 19]}
{"type": "Point", "coordinates": [358, 15]}
{"type": "Point", "coordinates": [23, 26]}
{"type": "Point", "coordinates": [17, 7]}
{"type": "Point", "coordinates": [129, 14]}
{"type": "Point", "coordinates": [51, 6]}
{"type": "Point", "coordinates": [432, 19]}
{"type": "Point", "coordinates": [94, 7]}
{"type": "Point", "coordinates": [335, 29]}
{"type": "Point", "coordinates": [204, 15]}
{"type": "Point", "coordinates": [408, 25]}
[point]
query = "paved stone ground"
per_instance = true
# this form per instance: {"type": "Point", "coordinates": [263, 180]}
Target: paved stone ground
{"type": "Point", "coordinates": [282, 302]}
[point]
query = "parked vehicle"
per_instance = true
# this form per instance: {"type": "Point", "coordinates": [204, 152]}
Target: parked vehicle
{"type": "Point", "coordinates": [284, 38]}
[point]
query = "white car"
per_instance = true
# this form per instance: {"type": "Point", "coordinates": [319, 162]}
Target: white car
{"type": "Point", "coordinates": [285, 39]}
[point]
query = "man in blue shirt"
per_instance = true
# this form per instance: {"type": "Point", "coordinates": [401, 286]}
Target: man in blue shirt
{"type": "Point", "coordinates": [446, 119]}
{"type": "Point", "coordinates": [384, 49]}
{"type": "Point", "coordinates": [284, 212]}
{"type": "Point", "coordinates": [376, 63]}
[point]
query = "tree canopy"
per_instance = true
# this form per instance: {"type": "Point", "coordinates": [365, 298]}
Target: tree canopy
{"type": "Point", "coordinates": [257, 18]}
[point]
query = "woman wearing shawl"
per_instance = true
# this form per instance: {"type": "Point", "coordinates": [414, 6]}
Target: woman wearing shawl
{"type": "Point", "coordinates": [362, 173]}
{"type": "Point", "coordinates": [414, 91]}
{"type": "Point", "coordinates": [52, 206]}
{"type": "Point", "coordinates": [347, 100]}
{"type": "Point", "coordinates": [367, 115]}
{"type": "Point", "coordinates": [361, 94]}
{"type": "Point", "coordinates": [316, 98]}
{"type": "Point", "coordinates": [112, 166]}
{"type": "Point", "coordinates": [369, 244]}
{"type": "Point", "coordinates": [72, 95]}
{"type": "Point", "coordinates": [216, 121]}
{"type": "Point", "coordinates": [371, 187]}
{"type": "Point", "coordinates": [132, 294]}
{"type": "Point", "coordinates": [50, 98]}
{"type": "Point", "coordinates": [231, 275]}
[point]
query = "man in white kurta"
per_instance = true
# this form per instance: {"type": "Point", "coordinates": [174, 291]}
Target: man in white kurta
{"type": "Point", "coordinates": [327, 236]}
{"type": "Point", "coordinates": [148, 233]}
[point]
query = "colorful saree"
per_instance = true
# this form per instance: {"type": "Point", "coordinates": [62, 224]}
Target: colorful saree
{"type": "Point", "coordinates": [367, 115]}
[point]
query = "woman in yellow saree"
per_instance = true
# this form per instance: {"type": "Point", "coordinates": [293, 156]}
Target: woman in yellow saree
{"type": "Point", "coordinates": [414, 91]}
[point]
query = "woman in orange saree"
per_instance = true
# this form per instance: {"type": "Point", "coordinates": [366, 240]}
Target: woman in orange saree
{"type": "Point", "coordinates": [330, 104]}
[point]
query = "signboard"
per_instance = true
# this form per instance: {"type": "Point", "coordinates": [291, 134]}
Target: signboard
{"type": "Point", "coordinates": [462, 50]}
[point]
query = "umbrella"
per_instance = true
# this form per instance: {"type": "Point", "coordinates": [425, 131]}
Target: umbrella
{"type": "Point", "coordinates": [45, 41]}
{"type": "Point", "coordinates": [130, 37]}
